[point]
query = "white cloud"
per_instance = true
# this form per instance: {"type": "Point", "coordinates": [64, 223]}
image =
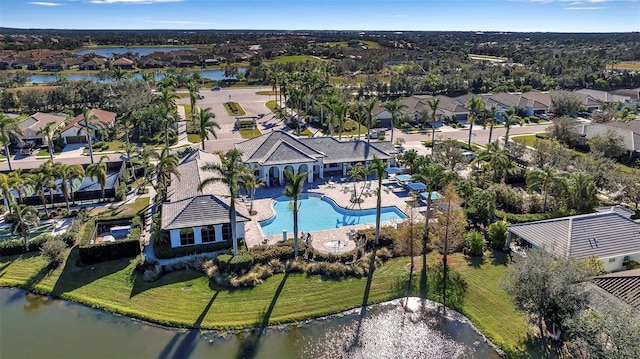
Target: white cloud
{"type": "Point", "coordinates": [44, 3]}
{"type": "Point", "coordinates": [584, 8]}
{"type": "Point", "coordinates": [132, 1]}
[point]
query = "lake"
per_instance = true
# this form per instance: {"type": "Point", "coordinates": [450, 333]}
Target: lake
{"type": "Point", "coordinates": [48, 78]}
{"type": "Point", "coordinates": [141, 51]}
{"type": "Point", "coordinates": [34, 326]}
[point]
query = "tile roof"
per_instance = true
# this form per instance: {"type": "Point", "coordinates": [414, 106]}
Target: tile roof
{"type": "Point", "coordinates": [583, 235]}
{"type": "Point", "coordinates": [623, 285]}
{"type": "Point", "coordinates": [34, 123]}
{"type": "Point", "coordinates": [105, 118]}
{"type": "Point", "coordinates": [347, 151]}
{"type": "Point", "coordinates": [186, 206]}
{"type": "Point", "coordinates": [270, 146]}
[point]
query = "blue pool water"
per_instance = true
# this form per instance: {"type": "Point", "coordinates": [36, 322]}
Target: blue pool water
{"type": "Point", "coordinates": [317, 214]}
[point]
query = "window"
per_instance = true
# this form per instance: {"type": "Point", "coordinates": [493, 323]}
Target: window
{"type": "Point", "coordinates": [611, 260]}
{"type": "Point", "coordinates": [226, 231]}
{"type": "Point", "coordinates": [208, 234]}
{"type": "Point", "coordinates": [626, 258]}
{"type": "Point", "coordinates": [187, 236]}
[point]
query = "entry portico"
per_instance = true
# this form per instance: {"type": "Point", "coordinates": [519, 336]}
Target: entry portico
{"type": "Point", "coordinates": [271, 154]}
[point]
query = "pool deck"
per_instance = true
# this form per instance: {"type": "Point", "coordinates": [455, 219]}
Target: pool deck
{"type": "Point", "coordinates": [340, 192]}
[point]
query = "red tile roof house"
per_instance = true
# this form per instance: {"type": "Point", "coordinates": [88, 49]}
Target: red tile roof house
{"type": "Point", "coordinates": [74, 132]}
{"type": "Point", "coordinates": [123, 63]}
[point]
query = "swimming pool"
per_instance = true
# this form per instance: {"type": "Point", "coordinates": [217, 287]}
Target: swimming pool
{"type": "Point", "coordinates": [319, 213]}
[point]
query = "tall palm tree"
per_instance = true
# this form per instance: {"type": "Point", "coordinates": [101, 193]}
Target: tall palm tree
{"type": "Point", "coordinates": [378, 168]}
{"type": "Point", "coordinates": [20, 182]}
{"type": "Point", "coordinates": [25, 221]}
{"type": "Point", "coordinates": [73, 173]}
{"type": "Point", "coordinates": [542, 180]}
{"type": "Point", "coordinates": [9, 130]}
{"type": "Point", "coordinates": [5, 187]}
{"type": "Point", "coordinates": [583, 192]}
{"type": "Point", "coordinates": [206, 124]}
{"type": "Point", "coordinates": [251, 185]}
{"type": "Point", "coordinates": [194, 88]}
{"type": "Point", "coordinates": [232, 173]}
{"type": "Point", "coordinates": [508, 117]}
{"type": "Point", "coordinates": [167, 98]}
{"type": "Point", "coordinates": [433, 103]}
{"type": "Point", "coordinates": [293, 189]}
{"type": "Point", "coordinates": [88, 125]}
{"type": "Point", "coordinates": [360, 116]}
{"type": "Point", "coordinates": [496, 160]}
{"type": "Point", "coordinates": [43, 181]}
{"type": "Point", "coordinates": [166, 165]}
{"type": "Point", "coordinates": [394, 107]}
{"type": "Point", "coordinates": [357, 173]}
{"type": "Point", "coordinates": [492, 121]}
{"type": "Point", "coordinates": [48, 131]}
{"type": "Point", "coordinates": [99, 172]}
{"type": "Point", "coordinates": [431, 175]}
{"type": "Point", "coordinates": [143, 156]}
{"type": "Point", "coordinates": [475, 105]}
{"type": "Point", "coordinates": [369, 109]}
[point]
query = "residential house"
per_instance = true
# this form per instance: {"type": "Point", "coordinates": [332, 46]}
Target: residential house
{"type": "Point", "coordinates": [75, 131]}
{"type": "Point", "coordinates": [34, 124]}
{"type": "Point", "coordinates": [582, 236]}
{"type": "Point", "coordinates": [123, 63]}
{"type": "Point", "coordinates": [193, 216]}
{"type": "Point", "coordinates": [624, 286]}
{"type": "Point", "coordinates": [628, 131]}
{"type": "Point", "coordinates": [602, 96]}
{"type": "Point", "coordinates": [270, 154]}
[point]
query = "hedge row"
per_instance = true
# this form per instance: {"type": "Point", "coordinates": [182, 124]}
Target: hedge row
{"type": "Point", "coordinates": [108, 251]}
{"type": "Point", "coordinates": [283, 251]}
{"type": "Point", "coordinates": [237, 264]}
{"type": "Point", "coordinates": [16, 246]}
{"type": "Point", "coordinates": [514, 218]}
{"type": "Point", "coordinates": [164, 250]}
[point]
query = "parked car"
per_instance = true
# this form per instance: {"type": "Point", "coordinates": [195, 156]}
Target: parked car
{"type": "Point", "coordinates": [215, 88]}
{"type": "Point", "coordinates": [470, 156]}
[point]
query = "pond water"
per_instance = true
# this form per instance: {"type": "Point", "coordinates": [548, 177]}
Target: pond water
{"type": "Point", "coordinates": [40, 327]}
{"type": "Point", "coordinates": [48, 78]}
{"type": "Point", "coordinates": [141, 51]}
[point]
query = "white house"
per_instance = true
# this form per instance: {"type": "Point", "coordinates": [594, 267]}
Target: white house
{"type": "Point", "coordinates": [75, 131]}
{"type": "Point", "coordinates": [33, 125]}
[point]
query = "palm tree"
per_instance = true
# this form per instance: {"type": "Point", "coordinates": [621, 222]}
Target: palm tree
{"type": "Point", "coordinates": [542, 180]}
{"type": "Point", "coordinates": [43, 181]}
{"type": "Point", "coordinates": [194, 88]}
{"type": "Point", "coordinates": [394, 107]}
{"type": "Point", "coordinates": [20, 182]}
{"type": "Point", "coordinates": [293, 189]}
{"type": "Point", "coordinates": [167, 98]}
{"type": "Point", "coordinates": [378, 168]}
{"type": "Point", "coordinates": [67, 173]}
{"type": "Point", "coordinates": [369, 109]}
{"type": "Point", "coordinates": [5, 187]}
{"type": "Point", "coordinates": [431, 175]}
{"type": "Point", "coordinates": [357, 173]}
{"type": "Point", "coordinates": [495, 159]}
{"type": "Point", "coordinates": [87, 123]}
{"type": "Point", "coordinates": [508, 117]}
{"type": "Point", "coordinates": [167, 165]}
{"type": "Point", "coordinates": [360, 117]}
{"type": "Point", "coordinates": [99, 172]}
{"type": "Point", "coordinates": [73, 172]}
{"type": "Point", "coordinates": [492, 121]}
{"type": "Point", "coordinates": [206, 125]}
{"type": "Point", "coordinates": [9, 130]}
{"type": "Point", "coordinates": [251, 185]}
{"type": "Point", "coordinates": [433, 103]}
{"type": "Point", "coordinates": [231, 172]}
{"type": "Point", "coordinates": [47, 131]}
{"type": "Point", "coordinates": [26, 219]}
{"type": "Point", "coordinates": [475, 104]}
{"type": "Point", "coordinates": [583, 192]}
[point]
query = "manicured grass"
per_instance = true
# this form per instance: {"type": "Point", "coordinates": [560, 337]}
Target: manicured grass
{"type": "Point", "coordinates": [267, 93]}
{"type": "Point", "coordinates": [249, 133]}
{"type": "Point", "coordinates": [271, 105]}
{"type": "Point", "coordinates": [628, 65]}
{"type": "Point", "coordinates": [188, 299]}
{"type": "Point", "coordinates": [194, 138]}
{"type": "Point", "coordinates": [182, 95]}
{"type": "Point", "coordinates": [293, 58]}
{"type": "Point", "coordinates": [528, 140]}
{"type": "Point", "coordinates": [187, 111]}
{"type": "Point", "coordinates": [124, 209]}
{"type": "Point", "coordinates": [234, 109]}
{"type": "Point", "coordinates": [113, 146]}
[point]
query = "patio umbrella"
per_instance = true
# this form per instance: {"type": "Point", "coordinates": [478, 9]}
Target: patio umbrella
{"type": "Point", "coordinates": [434, 195]}
{"type": "Point", "coordinates": [416, 186]}
{"type": "Point", "coordinates": [394, 170]}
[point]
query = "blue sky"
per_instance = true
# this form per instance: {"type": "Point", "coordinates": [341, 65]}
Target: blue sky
{"type": "Point", "coordinates": [428, 15]}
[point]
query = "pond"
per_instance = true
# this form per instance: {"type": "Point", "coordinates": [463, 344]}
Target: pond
{"type": "Point", "coordinates": [141, 51]}
{"type": "Point", "coordinates": [34, 326]}
{"type": "Point", "coordinates": [48, 78]}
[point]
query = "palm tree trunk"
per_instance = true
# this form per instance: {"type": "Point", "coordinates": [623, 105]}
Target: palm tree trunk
{"type": "Point", "coordinates": [490, 131]}
{"type": "Point", "coordinates": [392, 131]}
{"type": "Point", "coordinates": [202, 143]}
{"type": "Point", "coordinates": [90, 145]}
{"type": "Point", "coordinates": [378, 210]}
{"type": "Point", "coordinates": [50, 149]}
{"type": "Point", "coordinates": [295, 228]}
{"type": "Point", "coordinates": [25, 238]}
{"type": "Point", "coordinates": [8, 154]}
{"type": "Point", "coordinates": [433, 138]}
{"type": "Point", "coordinates": [471, 120]}
{"type": "Point", "coordinates": [43, 198]}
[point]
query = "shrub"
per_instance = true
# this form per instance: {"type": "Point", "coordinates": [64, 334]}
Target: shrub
{"type": "Point", "coordinates": [474, 243]}
{"type": "Point", "coordinates": [330, 257]}
{"type": "Point", "coordinates": [264, 254]}
{"type": "Point", "coordinates": [121, 192]}
{"type": "Point", "coordinates": [152, 273]}
{"type": "Point", "coordinates": [209, 268]}
{"type": "Point", "coordinates": [240, 263]}
{"type": "Point", "coordinates": [53, 249]}
{"type": "Point", "coordinates": [109, 251]}
{"type": "Point", "coordinates": [97, 145]}
{"type": "Point", "coordinates": [498, 234]}
{"type": "Point", "coordinates": [277, 266]}
{"type": "Point", "coordinates": [632, 265]}
{"type": "Point", "coordinates": [164, 250]}
{"type": "Point", "coordinates": [223, 261]}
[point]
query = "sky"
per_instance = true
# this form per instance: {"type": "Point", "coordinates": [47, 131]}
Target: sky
{"type": "Point", "coordinates": [393, 15]}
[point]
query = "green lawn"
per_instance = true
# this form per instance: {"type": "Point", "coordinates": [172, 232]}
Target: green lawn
{"type": "Point", "coordinates": [125, 209]}
{"type": "Point", "coordinates": [271, 105]}
{"type": "Point", "coordinates": [249, 133]}
{"type": "Point", "coordinates": [267, 93]}
{"type": "Point", "coordinates": [293, 58]}
{"type": "Point", "coordinates": [187, 111]}
{"type": "Point", "coordinates": [186, 298]}
{"type": "Point", "coordinates": [194, 138]}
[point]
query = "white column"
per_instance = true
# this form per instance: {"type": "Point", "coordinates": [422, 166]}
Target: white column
{"type": "Point", "coordinates": [218, 230]}
{"type": "Point", "coordinates": [310, 174]}
{"type": "Point", "coordinates": [280, 175]}
{"type": "Point", "coordinates": [175, 238]}
{"type": "Point", "coordinates": [321, 169]}
{"type": "Point", "coordinates": [344, 169]}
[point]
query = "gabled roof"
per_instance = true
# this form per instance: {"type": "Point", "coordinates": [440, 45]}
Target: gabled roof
{"type": "Point", "coordinates": [186, 206]}
{"type": "Point", "coordinates": [34, 123]}
{"type": "Point", "coordinates": [603, 96]}
{"type": "Point", "coordinates": [630, 138]}
{"type": "Point", "coordinates": [583, 235]}
{"type": "Point", "coordinates": [277, 146]}
{"type": "Point", "coordinates": [623, 285]}
{"type": "Point", "coordinates": [123, 61]}
{"type": "Point", "coordinates": [348, 151]}
{"type": "Point", "coordinates": [104, 118]}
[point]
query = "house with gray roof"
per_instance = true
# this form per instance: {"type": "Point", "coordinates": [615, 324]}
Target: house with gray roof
{"type": "Point", "coordinates": [270, 154]}
{"type": "Point", "coordinates": [623, 285]}
{"type": "Point", "coordinates": [611, 236]}
{"type": "Point", "coordinates": [628, 131]}
{"type": "Point", "coordinates": [33, 126]}
{"type": "Point", "coordinates": [196, 217]}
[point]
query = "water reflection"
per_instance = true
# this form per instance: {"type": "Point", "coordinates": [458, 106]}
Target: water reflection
{"type": "Point", "coordinates": [408, 328]}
